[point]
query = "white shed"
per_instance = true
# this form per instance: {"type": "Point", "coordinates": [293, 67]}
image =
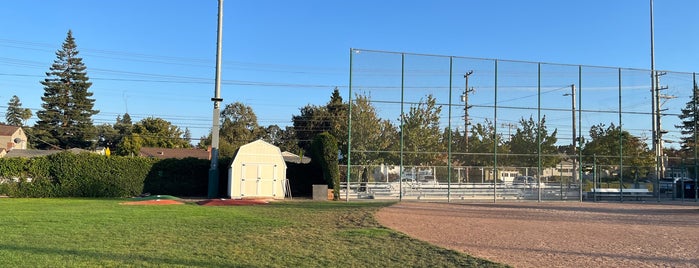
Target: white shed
{"type": "Point", "coordinates": [257, 170]}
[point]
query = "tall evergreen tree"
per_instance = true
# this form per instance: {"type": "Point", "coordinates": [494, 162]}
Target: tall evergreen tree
{"type": "Point", "coordinates": [16, 115]}
{"type": "Point", "coordinates": [65, 119]}
{"type": "Point", "coordinates": [314, 120]}
{"type": "Point", "coordinates": [690, 123]}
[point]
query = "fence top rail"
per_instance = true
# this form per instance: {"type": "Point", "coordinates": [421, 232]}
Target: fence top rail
{"type": "Point", "coordinates": [359, 50]}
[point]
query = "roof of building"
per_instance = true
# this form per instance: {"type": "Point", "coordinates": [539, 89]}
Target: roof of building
{"type": "Point", "coordinates": [7, 130]}
{"type": "Point", "coordinates": [293, 158]}
{"type": "Point", "coordinates": [29, 153]}
{"type": "Point", "coordinates": [163, 153]}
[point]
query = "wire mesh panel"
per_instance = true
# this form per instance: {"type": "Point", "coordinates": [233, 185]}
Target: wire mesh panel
{"type": "Point", "coordinates": [440, 127]}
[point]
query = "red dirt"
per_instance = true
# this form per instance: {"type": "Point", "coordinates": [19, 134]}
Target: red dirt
{"type": "Point", "coordinates": [154, 202]}
{"type": "Point", "coordinates": [233, 202]}
{"type": "Point", "coordinates": [557, 234]}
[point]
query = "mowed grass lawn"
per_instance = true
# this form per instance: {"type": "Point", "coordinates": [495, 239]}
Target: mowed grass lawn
{"type": "Point", "coordinates": [103, 233]}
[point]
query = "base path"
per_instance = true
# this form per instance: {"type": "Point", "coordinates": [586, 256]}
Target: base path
{"type": "Point", "coordinates": [557, 234]}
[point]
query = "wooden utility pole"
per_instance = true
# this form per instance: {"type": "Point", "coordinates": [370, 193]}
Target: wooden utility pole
{"type": "Point", "coordinates": [464, 98]}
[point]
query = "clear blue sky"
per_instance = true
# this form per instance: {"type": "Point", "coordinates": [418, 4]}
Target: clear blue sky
{"type": "Point", "coordinates": [157, 58]}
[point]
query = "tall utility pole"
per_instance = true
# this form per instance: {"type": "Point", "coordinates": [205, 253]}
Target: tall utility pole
{"type": "Point", "coordinates": [654, 105]}
{"type": "Point", "coordinates": [464, 98]}
{"type": "Point", "coordinates": [658, 120]}
{"type": "Point", "coordinates": [213, 171]}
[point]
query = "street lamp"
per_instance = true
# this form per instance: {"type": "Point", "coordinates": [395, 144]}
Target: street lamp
{"type": "Point", "coordinates": [575, 139]}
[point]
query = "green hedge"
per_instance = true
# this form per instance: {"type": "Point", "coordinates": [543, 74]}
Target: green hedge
{"type": "Point", "coordinates": [89, 175]}
{"type": "Point", "coordinates": [75, 175]}
{"type": "Point", "coordinates": [324, 149]}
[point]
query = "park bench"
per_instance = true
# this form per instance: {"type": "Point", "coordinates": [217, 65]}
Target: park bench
{"type": "Point", "coordinates": [599, 193]}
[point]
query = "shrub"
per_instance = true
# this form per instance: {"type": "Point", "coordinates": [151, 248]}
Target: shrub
{"type": "Point", "coordinates": [324, 150]}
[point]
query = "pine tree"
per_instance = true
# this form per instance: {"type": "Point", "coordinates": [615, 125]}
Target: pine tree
{"type": "Point", "coordinates": [16, 115]}
{"type": "Point", "coordinates": [65, 119]}
{"type": "Point", "coordinates": [689, 122]}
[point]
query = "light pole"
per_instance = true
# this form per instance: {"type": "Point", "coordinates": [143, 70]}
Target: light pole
{"type": "Point", "coordinates": [575, 139]}
{"type": "Point", "coordinates": [213, 171]}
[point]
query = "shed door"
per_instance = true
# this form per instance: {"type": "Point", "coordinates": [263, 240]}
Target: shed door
{"type": "Point", "coordinates": [259, 179]}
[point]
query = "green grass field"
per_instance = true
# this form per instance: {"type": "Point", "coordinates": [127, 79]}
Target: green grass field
{"type": "Point", "coordinates": [103, 233]}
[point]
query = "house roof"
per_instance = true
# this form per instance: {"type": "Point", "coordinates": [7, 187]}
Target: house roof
{"type": "Point", "coordinates": [163, 153]}
{"type": "Point", "coordinates": [29, 153]}
{"type": "Point", "coordinates": [7, 130]}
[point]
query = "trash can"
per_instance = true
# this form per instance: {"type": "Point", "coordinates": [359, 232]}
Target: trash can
{"type": "Point", "coordinates": [688, 189]}
{"type": "Point", "coordinates": [320, 192]}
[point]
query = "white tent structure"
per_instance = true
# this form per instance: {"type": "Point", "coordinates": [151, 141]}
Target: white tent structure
{"type": "Point", "coordinates": [258, 170]}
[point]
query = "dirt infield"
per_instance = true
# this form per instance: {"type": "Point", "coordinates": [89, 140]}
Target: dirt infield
{"type": "Point", "coordinates": [557, 234]}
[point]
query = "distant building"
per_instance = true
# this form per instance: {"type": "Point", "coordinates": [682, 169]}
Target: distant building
{"type": "Point", "coordinates": [12, 137]}
{"type": "Point", "coordinates": [178, 153]}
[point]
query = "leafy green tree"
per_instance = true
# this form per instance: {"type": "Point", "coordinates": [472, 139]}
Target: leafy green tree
{"type": "Point", "coordinates": [308, 124]}
{"type": "Point", "coordinates": [422, 135]}
{"type": "Point", "coordinates": [112, 135]}
{"type": "Point", "coordinates": [158, 132]}
{"type": "Point", "coordinates": [16, 115]}
{"type": "Point", "coordinates": [130, 145]}
{"type": "Point", "coordinates": [238, 127]}
{"type": "Point", "coordinates": [152, 132]}
{"type": "Point", "coordinates": [124, 125]}
{"type": "Point", "coordinates": [285, 138]}
{"type": "Point", "coordinates": [374, 140]}
{"type": "Point", "coordinates": [606, 143]}
{"type": "Point", "coordinates": [107, 136]}
{"type": "Point", "coordinates": [524, 144]}
{"type": "Point", "coordinates": [65, 119]}
{"type": "Point", "coordinates": [482, 142]}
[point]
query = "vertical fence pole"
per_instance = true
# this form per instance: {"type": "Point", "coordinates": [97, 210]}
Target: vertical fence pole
{"type": "Point", "coordinates": [694, 125]}
{"type": "Point", "coordinates": [402, 116]}
{"type": "Point", "coordinates": [621, 148]}
{"type": "Point", "coordinates": [538, 134]}
{"type": "Point", "coordinates": [578, 142]}
{"type": "Point", "coordinates": [595, 181]}
{"type": "Point", "coordinates": [349, 130]}
{"type": "Point", "coordinates": [451, 69]}
{"type": "Point", "coordinates": [495, 135]}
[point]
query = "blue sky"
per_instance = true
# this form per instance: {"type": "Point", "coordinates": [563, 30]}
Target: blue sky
{"type": "Point", "coordinates": [157, 58]}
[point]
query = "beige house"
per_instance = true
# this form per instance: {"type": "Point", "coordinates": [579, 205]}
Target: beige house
{"type": "Point", "coordinates": [258, 170]}
{"type": "Point", "coordinates": [12, 137]}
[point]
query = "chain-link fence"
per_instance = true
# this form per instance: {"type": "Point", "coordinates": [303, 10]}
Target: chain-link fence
{"type": "Point", "coordinates": [429, 126]}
